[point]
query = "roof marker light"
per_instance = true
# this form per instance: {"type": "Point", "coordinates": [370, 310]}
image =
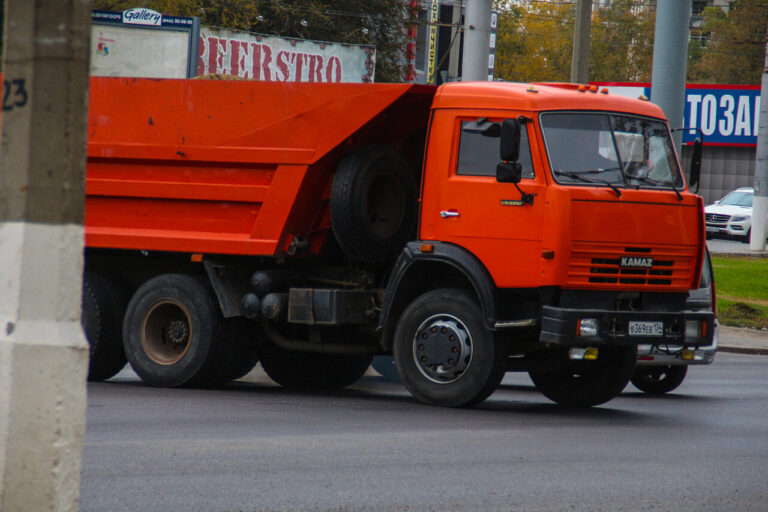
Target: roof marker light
{"type": "Point", "coordinates": [582, 88]}
{"type": "Point", "coordinates": [604, 90]}
{"type": "Point", "coordinates": [532, 89]}
{"type": "Point", "coordinates": [643, 97]}
{"type": "Point", "coordinates": [593, 88]}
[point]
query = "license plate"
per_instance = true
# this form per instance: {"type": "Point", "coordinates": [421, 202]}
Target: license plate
{"type": "Point", "coordinates": [713, 228]}
{"type": "Point", "coordinates": [639, 328]}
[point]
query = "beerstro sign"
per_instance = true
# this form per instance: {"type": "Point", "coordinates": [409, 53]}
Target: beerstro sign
{"type": "Point", "coordinates": [727, 115]}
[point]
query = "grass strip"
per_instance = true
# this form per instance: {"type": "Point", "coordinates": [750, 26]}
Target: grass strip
{"type": "Point", "coordinates": [742, 291]}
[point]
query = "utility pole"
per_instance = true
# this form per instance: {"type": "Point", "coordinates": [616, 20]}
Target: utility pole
{"type": "Point", "coordinates": [43, 353]}
{"type": "Point", "coordinates": [670, 59]}
{"type": "Point", "coordinates": [581, 36]}
{"type": "Point", "coordinates": [453, 62]}
{"type": "Point", "coordinates": [760, 199]}
{"type": "Point", "coordinates": [477, 40]}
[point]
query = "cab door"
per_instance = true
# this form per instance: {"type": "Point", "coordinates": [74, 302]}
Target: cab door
{"type": "Point", "coordinates": [463, 203]}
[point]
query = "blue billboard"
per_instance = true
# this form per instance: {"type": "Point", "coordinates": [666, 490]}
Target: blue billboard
{"type": "Point", "coordinates": [727, 115]}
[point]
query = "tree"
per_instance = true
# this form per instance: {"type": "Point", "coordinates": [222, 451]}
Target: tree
{"type": "Point", "coordinates": [535, 41]}
{"type": "Point", "coordinates": [622, 42]}
{"type": "Point", "coordinates": [382, 23]}
{"type": "Point", "coordinates": [734, 49]}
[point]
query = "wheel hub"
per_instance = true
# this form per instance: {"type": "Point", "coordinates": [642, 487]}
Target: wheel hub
{"type": "Point", "coordinates": [442, 348]}
{"type": "Point", "coordinates": [166, 332]}
{"type": "Point", "coordinates": [178, 332]}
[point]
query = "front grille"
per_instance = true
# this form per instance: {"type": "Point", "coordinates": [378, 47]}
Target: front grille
{"type": "Point", "coordinates": [600, 264]}
{"type": "Point", "coordinates": [717, 218]}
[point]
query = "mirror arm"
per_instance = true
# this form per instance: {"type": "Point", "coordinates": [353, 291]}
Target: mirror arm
{"type": "Point", "coordinates": [526, 198]}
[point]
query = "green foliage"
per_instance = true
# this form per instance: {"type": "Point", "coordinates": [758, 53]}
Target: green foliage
{"type": "Point", "coordinates": [535, 41]}
{"type": "Point", "coordinates": [735, 50]}
{"type": "Point", "coordinates": [382, 23]}
{"type": "Point", "coordinates": [622, 43]}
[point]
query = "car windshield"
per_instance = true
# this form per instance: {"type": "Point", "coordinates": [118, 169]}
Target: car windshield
{"type": "Point", "coordinates": [612, 149]}
{"type": "Point", "coordinates": [738, 198]}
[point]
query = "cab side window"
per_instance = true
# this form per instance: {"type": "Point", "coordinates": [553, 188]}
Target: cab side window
{"type": "Point", "coordinates": [479, 152]}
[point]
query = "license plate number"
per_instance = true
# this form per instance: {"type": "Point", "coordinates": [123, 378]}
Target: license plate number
{"type": "Point", "coordinates": [638, 328]}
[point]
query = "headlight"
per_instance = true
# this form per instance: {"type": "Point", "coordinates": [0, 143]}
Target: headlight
{"type": "Point", "coordinates": [740, 218]}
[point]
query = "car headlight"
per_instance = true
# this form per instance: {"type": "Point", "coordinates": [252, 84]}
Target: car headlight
{"type": "Point", "coordinates": [740, 218]}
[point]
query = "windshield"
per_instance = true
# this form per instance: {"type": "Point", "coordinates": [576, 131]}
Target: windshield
{"type": "Point", "coordinates": [612, 149]}
{"type": "Point", "coordinates": [738, 198]}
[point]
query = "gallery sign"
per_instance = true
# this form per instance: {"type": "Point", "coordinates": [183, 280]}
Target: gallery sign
{"type": "Point", "coordinates": [727, 115]}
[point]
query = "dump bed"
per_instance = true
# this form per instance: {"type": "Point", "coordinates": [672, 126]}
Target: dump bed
{"type": "Point", "coordinates": [229, 167]}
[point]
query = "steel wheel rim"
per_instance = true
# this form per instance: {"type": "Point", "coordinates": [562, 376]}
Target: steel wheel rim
{"type": "Point", "coordinates": [166, 332]}
{"type": "Point", "coordinates": [442, 348]}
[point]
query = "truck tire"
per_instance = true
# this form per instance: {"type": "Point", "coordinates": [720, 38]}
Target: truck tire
{"type": "Point", "coordinates": [174, 334]}
{"type": "Point", "coordinates": [444, 353]}
{"type": "Point", "coordinates": [103, 305]}
{"type": "Point", "coordinates": [305, 370]}
{"type": "Point", "coordinates": [386, 367]}
{"type": "Point", "coordinates": [593, 383]}
{"type": "Point", "coordinates": [657, 380]}
{"type": "Point", "coordinates": [243, 353]}
{"type": "Point", "coordinates": [374, 203]}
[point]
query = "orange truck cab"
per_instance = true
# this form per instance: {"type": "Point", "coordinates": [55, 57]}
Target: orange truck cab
{"type": "Point", "coordinates": [469, 230]}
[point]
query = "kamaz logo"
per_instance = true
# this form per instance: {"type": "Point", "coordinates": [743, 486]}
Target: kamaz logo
{"type": "Point", "coordinates": [628, 262]}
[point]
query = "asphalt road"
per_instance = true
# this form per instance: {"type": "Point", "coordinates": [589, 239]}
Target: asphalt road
{"type": "Point", "coordinates": [255, 446]}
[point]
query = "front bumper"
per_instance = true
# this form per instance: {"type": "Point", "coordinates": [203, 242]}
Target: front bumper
{"type": "Point", "coordinates": [672, 355]}
{"type": "Point", "coordinates": [560, 326]}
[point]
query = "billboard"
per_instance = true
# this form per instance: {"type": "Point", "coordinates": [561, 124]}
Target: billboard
{"type": "Point", "coordinates": [727, 115]}
{"type": "Point", "coordinates": [280, 59]}
{"type": "Point", "coordinates": [143, 43]}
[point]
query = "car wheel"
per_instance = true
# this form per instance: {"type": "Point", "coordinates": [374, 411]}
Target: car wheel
{"type": "Point", "coordinates": [657, 380]}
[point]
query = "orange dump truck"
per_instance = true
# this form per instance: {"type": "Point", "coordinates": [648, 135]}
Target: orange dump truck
{"type": "Point", "coordinates": [469, 230]}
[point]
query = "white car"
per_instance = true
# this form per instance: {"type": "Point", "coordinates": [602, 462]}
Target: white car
{"type": "Point", "coordinates": [731, 216]}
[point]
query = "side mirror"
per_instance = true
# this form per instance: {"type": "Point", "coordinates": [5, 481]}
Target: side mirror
{"type": "Point", "coordinates": [509, 149]}
{"type": "Point", "coordinates": [695, 173]}
{"type": "Point", "coordinates": [511, 172]}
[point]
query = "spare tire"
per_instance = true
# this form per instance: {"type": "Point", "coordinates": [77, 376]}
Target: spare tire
{"type": "Point", "coordinates": [374, 203]}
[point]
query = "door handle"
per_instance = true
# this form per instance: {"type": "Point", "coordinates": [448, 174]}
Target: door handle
{"type": "Point", "coordinates": [449, 213]}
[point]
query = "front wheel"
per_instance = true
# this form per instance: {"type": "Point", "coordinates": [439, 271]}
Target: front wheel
{"type": "Point", "coordinates": [588, 383]}
{"type": "Point", "coordinates": [657, 380]}
{"type": "Point", "coordinates": [444, 352]}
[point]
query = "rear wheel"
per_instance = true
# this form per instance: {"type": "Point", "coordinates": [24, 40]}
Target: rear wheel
{"type": "Point", "coordinates": [588, 383]}
{"type": "Point", "coordinates": [657, 380]}
{"type": "Point", "coordinates": [102, 319]}
{"type": "Point", "coordinates": [174, 333]}
{"type": "Point", "coordinates": [306, 370]}
{"type": "Point", "coordinates": [445, 354]}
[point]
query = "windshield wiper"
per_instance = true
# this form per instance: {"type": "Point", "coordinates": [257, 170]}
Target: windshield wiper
{"type": "Point", "coordinates": [657, 183]}
{"type": "Point", "coordinates": [578, 176]}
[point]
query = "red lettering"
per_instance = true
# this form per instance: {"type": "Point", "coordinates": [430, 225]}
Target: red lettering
{"type": "Point", "coordinates": [333, 70]}
{"type": "Point", "coordinates": [213, 44]}
{"type": "Point", "coordinates": [234, 57]}
{"type": "Point", "coordinates": [299, 70]}
{"type": "Point", "coordinates": [315, 68]}
{"type": "Point", "coordinates": [262, 56]}
{"type": "Point", "coordinates": [282, 67]}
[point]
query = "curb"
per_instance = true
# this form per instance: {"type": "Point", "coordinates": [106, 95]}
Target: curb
{"type": "Point", "coordinates": [744, 350]}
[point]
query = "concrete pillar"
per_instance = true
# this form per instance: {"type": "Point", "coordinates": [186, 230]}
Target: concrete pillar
{"type": "Point", "coordinates": [477, 40]}
{"type": "Point", "coordinates": [43, 353]}
{"type": "Point", "coordinates": [760, 199]}
{"type": "Point", "coordinates": [581, 33]}
{"type": "Point", "coordinates": [670, 60]}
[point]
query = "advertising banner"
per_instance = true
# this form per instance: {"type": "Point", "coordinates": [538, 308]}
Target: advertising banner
{"type": "Point", "coordinates": [142, 43]}
{"type": "Point", "coordinates": [279, 59]}
{"type": "Point", "coordinates": [727, 115]}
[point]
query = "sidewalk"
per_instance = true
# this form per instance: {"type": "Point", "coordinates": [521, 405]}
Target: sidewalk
{"type": "Point", "coordinates": [743, 341]}
{"type": "Point", "coordinates": [721, 247]}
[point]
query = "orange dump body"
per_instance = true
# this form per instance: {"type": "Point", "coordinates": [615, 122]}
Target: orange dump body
{"type": "Point", "coordinates": [229, 167]}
